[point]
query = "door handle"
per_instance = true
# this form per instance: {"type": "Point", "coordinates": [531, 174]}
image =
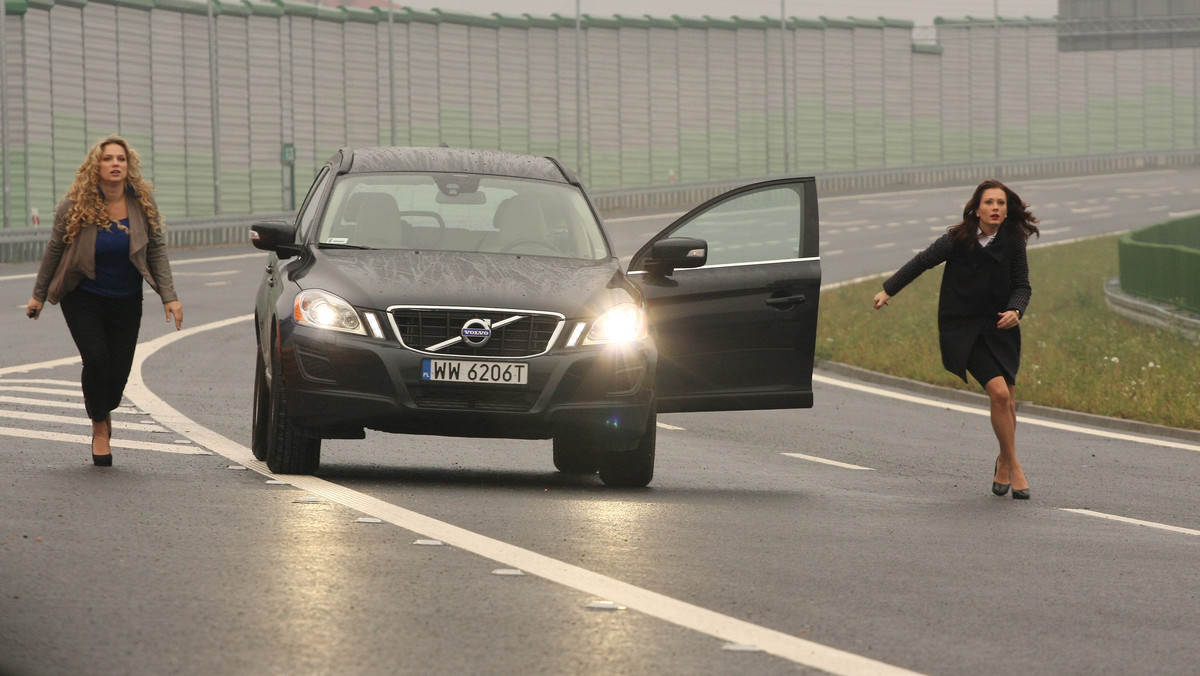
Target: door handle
{"type": "Point", "coordinates": [786, 301]}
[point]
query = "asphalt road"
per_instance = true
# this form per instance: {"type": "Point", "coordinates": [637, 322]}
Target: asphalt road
{"type": "Point", "coordinates": [856, 537]}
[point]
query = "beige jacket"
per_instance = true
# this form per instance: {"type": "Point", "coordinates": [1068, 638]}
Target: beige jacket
{"type": "Point", "coordinates": [65, 265]}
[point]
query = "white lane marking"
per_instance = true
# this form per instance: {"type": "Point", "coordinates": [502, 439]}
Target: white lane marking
{"type": "Point", "coordinates": [41, 381]}
{"type": "Point", "coordinates": [665, 426]}
{"type": "Point", "coordinates": [26, 401]}
{"type": "Point", "coordinates": [885, 245]}
{"type": "Point", "coordinates": [39, 390]}
{"type": "Point", "coordinates": [646, 217]}
{"type": "Point", "coordinates": [115, 443]}
{"type": "Point", "coordinates": [823, 461]}
{"type": "Point", "coordinates": [651, 603]}
{"type": "Point", "coordinates": [1183, 214]}
{"type": "Point", "coordinates": [1056, 231]}
{"type": "Point", "coordinates": [983, 411]}
{"type": "Point", "coordinates": [53, 363]}
{"type": "Point", "coordinates": [1139, 522]}
{"type": "Point", "coordinates": [211, 259]}
{"type": "Point", "coordinates": [219, 273]}
{"type": "Point", "coordinates": [67, 420]}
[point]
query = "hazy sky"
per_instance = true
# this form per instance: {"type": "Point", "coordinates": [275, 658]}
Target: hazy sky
{"type": "Point", "coordinates": [920, 12]}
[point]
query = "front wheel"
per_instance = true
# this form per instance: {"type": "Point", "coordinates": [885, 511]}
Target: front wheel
{"type": "Point", "coordinates": [633, 468]}
{"type": "Point", "coordinates": [288, 451]}
{"type": "Point", "coordinates": [260, 420]}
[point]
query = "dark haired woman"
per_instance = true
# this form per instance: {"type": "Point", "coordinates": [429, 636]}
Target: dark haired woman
{"type": "Point", "coordinates": [985, 290]}
{"type": "Point", "coordinates": [107, 238]}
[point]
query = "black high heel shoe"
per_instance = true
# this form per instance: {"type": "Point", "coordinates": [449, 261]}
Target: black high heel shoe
{"type": "Point", "coordinates": [101, 460]}
{"type": "Point", "coordinates": [1001, 489]}
{"type": "Point", "coordinates": [1022, 494]}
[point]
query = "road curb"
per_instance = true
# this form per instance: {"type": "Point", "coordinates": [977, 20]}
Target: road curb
{"type": "Point", "coordinates": [1028, 408]}
{"type": "Point", "coordinates": [1152, 312]}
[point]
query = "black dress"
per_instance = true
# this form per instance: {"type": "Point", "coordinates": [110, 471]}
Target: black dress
{"type": "Point", "coordinates": [979, 284]}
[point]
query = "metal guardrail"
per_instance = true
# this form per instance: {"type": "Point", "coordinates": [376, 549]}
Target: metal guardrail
{"type": "Point", "coordinates": [27, 244]}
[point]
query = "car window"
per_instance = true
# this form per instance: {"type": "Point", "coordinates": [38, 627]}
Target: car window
{"type": "Point", "coordinates": [461, 212]}
{"type": "Point", "coordinates": [761, 225]}
{"type": "Point", "coordinates": [308, 211]}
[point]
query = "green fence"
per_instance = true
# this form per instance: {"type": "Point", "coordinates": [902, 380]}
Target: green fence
{"type": "Point", "coordinates": [1162, 262]}
{"type": "Point", "coordinates": [211, 93]}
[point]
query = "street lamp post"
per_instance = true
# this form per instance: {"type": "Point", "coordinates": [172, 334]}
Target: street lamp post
{"type": "Point", "coordinates": [7, 187]}
{"type": "Point", "coordinates": [786, 102]}
{"type": "Point", "coordinates": [578, 91]}
{"type": "Point", "coordinates": [213, 95]}
{"type": "Point", "coordinates": [996, 70]}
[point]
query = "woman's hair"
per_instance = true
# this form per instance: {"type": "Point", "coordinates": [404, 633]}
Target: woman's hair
{"type": "Point", "coordinates": [1020, 218]}
{"type": "Point", "coordinates": [88, 207]}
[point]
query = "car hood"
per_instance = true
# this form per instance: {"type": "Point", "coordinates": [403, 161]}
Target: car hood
{"type": "Point", "coordinates": [381, 278]}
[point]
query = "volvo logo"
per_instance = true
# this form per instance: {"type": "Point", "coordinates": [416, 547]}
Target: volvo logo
{"type": "Point", "coordinates": [476, 332]}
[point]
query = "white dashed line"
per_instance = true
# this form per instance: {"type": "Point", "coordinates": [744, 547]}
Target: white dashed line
{"type": "Point", "coordinates": [823, 461]}
{"type": "Point", "coordinates": [1139, 522]}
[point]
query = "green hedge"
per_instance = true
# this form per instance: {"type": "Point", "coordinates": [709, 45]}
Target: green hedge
{"type": "Point", "coordinates": [1162, 262]}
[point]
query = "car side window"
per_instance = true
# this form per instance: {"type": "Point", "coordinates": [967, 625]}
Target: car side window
{"type": "Point", "coordinates": [761, 225]}
{"type": "Point", "coordinates": [308, 211]}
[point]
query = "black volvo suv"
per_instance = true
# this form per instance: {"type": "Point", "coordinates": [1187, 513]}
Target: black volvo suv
{"type": "Point", "coordinates": [475, 293]}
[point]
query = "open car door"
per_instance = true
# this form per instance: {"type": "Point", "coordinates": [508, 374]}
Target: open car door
{"type": "Point", "coordinates": [738, 332]}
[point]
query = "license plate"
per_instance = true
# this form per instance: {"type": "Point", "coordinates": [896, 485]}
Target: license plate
{"type": "Point", "coordinates": [458, 371]}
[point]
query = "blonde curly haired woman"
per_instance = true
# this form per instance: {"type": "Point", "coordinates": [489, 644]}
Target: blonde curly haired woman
{"type": "Point", "coordinates": [107, 238]}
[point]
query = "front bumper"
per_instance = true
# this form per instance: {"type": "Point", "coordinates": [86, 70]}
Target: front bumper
{"type": "Point", "coordinates": [339, 383]}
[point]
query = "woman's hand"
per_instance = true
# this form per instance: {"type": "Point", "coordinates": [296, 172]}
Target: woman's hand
{"type": "Point", "coordinates": [881, 299]}
{"type": "Point", "coordinates": [1008, 319]}
{"type": "Point", "coordinates": [176, 309]}
{"type": "Point", "coordinates": [33, 309]}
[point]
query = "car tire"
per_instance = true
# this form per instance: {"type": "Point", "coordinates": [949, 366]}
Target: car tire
{"type": "Point", "coordinates": [288, 451]}
{"type": "Point", "coordinates": [633, 468]}
{"type": "Point", "coordinates": [573, 455]}
{"type": "Point", "coordinates": [260, 420]}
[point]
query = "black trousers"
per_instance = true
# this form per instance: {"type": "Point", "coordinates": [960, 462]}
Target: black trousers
{"type": "Point", "coordinates": [106, 332]}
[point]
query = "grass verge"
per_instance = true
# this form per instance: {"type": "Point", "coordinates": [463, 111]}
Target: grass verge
{"type": "Point", "coordinates": [1076, 353]}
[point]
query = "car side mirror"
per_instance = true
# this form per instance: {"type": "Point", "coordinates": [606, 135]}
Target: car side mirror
{"type": "Point", "coordinates": [674, 253]}
{"type": "Point", "coordinates": [277, 236]}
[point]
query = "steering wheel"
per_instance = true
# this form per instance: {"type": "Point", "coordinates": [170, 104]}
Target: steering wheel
{"type": "Point", "coordinates": [537, 244]}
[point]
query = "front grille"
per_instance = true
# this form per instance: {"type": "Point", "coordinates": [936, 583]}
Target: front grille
{"type": "Point", "coordinates": [473, 399]}
{"type": "Point", "coordinates": [519, 334]}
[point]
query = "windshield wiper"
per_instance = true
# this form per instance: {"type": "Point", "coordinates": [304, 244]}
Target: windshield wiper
{"type": "Point", "coordinates": [334, 245]}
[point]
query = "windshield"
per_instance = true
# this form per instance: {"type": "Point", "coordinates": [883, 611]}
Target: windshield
{"type": "Point", "coordinates": [461, 212]}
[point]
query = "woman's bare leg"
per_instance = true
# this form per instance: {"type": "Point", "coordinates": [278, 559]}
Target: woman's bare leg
{"type": "Point", "coordinates": [1004, 424]}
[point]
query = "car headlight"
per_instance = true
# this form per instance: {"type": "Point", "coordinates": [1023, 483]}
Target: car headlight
{"type": "Point", "coordinates": [326, 311]}
{"type": "Point", "coordinates": [623, 323]}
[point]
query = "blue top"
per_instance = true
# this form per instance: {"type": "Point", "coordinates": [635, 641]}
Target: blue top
{"type": "Point", "coordinates": [116, 277]}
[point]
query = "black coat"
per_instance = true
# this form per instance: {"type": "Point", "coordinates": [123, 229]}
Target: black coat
{"type": "Point", "coordinates": [979, 284]}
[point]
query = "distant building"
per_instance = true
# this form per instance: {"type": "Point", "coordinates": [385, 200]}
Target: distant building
{"type": "Point", "coordinates": [1088, 25]}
